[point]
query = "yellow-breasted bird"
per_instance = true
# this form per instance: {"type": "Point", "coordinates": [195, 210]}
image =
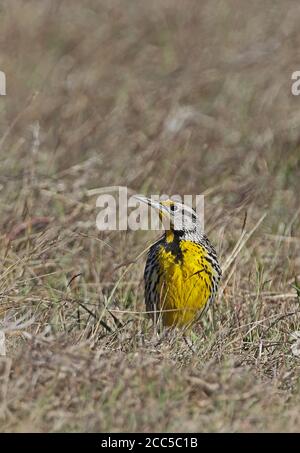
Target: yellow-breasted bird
{"type": "Point", "coordinates": [182, 272]}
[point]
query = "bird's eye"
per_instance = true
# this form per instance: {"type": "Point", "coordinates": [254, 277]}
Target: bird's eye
{"type": "Point", "coordinates": [173, 208]}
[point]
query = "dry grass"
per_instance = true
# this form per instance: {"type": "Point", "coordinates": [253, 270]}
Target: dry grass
{"type": "Point", "coordinates": [161, 98]}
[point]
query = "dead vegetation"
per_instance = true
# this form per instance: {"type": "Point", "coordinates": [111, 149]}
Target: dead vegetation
{"type": "Point", "coordinates": [161, 98]}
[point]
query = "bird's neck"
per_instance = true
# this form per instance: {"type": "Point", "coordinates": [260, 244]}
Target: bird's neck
{"type": "Point", "coordinates": [175, 236]}
{"type": "Point", "coordinates": [171, 244]}
{"type": "Point", "coordinates": [170, 236]}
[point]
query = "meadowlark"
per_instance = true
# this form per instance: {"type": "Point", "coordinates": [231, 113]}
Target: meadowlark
{"type": "Point", "coordinates": [182, 272]}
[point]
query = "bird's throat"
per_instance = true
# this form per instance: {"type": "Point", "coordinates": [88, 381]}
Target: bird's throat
{"type": "Point", "coordinates": [170, 236]}
{"type": "Point", "coordinates": [172, 245]}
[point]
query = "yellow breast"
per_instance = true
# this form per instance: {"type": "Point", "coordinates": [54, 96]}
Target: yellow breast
{"type": "Point", "coordinates": [185, 285]}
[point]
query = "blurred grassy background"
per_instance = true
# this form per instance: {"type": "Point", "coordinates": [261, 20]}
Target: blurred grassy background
{"type": "Point", "coordinates": [165, 97]}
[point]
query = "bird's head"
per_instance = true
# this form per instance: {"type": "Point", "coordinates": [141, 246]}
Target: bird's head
{"type": "Point", "coordinates": [176, 217]}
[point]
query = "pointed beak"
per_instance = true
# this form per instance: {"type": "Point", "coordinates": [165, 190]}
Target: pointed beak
{"type": "Point", "coordinates": [162, 210]}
